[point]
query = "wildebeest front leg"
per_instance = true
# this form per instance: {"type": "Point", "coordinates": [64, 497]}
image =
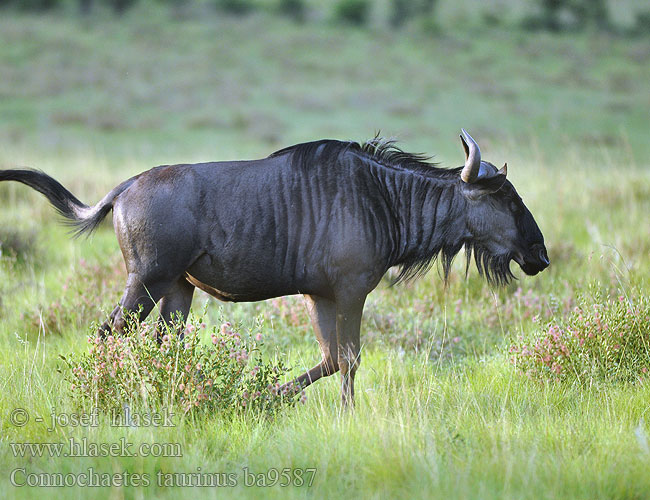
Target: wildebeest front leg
{"type": "Point", "coordinates": [322, 312]}
{"type": "Point", "coordinates": [348, 325]}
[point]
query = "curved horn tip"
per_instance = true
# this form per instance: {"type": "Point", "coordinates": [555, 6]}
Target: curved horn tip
{"type": "Point", "coordinates": [465, 145]}
{"type": "Point", "coordinates": [503, 170]}
{"type": "Point", "coordinates": [463, 138]}
{"type": "Point", "coordinates": [466, 136]}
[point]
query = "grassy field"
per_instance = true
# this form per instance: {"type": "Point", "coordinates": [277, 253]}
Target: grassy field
{"type": "Point", "coordinates": [441, 409]}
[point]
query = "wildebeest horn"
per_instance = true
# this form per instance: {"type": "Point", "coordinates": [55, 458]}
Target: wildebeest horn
{"type": "Point", "coordinates": [503, 170]}
{"type": "Point", "coordinates": [472, 158]}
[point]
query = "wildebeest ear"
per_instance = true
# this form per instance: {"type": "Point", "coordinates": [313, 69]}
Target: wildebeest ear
{"type": "Point", "coordinates": [485, 185]}
{"type": "Point", "coordinates": [503, 170]}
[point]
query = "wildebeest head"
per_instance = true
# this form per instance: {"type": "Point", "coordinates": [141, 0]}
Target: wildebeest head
{"type": "Point", "coordinates": [500, 226]}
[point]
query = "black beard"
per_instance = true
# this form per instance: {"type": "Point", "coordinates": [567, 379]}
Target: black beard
{"type": "Point", "coordinates": [495, 268]}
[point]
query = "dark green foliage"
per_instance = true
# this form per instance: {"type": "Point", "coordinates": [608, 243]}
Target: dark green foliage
{"type": "Point", "coordinates": [236, 7]}
{"type": "Point", "coordinates": [295, 9]}
{"type": "Point", "coordinates": [121, 6]}
{"type": "Point", "coordinates": [590, 13]}
{"type": "Point", "coordinates": [551, 13]}
{"type": "Point", "coordinates": [642, 23]}
{"type": "Point", "coordinates": [556, 15]}
{"type": "Point", "coordinates": [31, 5]}
{"type": "Point", "coordinates": [85, 6]}
{"type": "Point", "coordinates": [404, 10]}
{"type": "Point", "coordinates": [353, 11]}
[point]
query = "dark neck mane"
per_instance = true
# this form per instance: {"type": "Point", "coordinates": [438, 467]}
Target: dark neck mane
{"type": "Point", "coordinates": [422, 198]}
{"type": "Point", "coordinates": [380, 150]}
{"type": "Point", "coordinates": [428, 209]}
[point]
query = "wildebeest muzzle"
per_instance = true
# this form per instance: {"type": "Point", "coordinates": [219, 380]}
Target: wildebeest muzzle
{"type": "Point", "coordinates": [534, 261]}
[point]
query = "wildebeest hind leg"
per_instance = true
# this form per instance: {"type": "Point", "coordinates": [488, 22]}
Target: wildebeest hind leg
{"type": "Point", "coordinates": [175, 304]}
{"type": "Point", "coordinates": [138, 295]}
{"type": "Point", "coordinates": [322, 312]}
{"type": "Point", "coordinates": [106, 328]}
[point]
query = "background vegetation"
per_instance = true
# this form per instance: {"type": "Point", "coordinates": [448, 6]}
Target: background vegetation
{"type": "Point", "coordinates": [442, 411]}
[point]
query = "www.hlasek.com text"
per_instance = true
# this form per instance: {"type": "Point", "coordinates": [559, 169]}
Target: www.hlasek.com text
{"type": "Point", "coordinates": [85, 448]}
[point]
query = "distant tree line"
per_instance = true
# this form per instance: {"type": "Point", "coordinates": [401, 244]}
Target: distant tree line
{"type": "Point", "coordinates": [550, 15]}
{"type": "Point", "coordinates": [562, 15]}
{"type": "Point", "coordinates": [556, 15]}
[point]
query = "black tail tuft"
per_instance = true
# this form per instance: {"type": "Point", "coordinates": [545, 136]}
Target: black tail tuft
{"type": "Point", "coordinates": [80, 216]}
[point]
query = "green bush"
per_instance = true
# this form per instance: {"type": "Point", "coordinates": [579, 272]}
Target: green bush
{"type": "Point", "coordinates": [551, 10]}
{"type": "Point", "coordinates": [295, 9]}
{"type": "Point", "coordinates": [236, 7]}
{"type": "Point", "coordinates": [121, 6]}
{"type": "Point", "coordinates": [590, 13]}
{"type": "Point", "coordinates": [179, 373]}
{"type": "Point", "coordinates": [403, 11]}
{"type": "Point", "coordinates": [31, 5]}
{"type": "Point", "coordinates": [642, 23]}
{"type": "Point", "coordinates": [353, 11]}
{"type": "Point", "coordinates": [583, 13]}
{"type": "Point", "coordinates": [602, 341]}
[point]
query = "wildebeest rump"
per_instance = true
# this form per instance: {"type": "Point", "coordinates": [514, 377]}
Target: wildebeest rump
{"type": "Point", "coordinates": [324, 219]}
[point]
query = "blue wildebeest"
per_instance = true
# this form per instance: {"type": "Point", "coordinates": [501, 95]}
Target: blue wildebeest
{"type": "Point", "coordinates": [324, 219]}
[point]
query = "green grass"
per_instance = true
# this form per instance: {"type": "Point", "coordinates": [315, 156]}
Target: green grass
{"type": "Point", "coordinates": [441, 412]}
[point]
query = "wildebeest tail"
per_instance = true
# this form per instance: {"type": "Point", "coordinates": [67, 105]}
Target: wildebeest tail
{"type": "Point", "coordinates": [80, 216]}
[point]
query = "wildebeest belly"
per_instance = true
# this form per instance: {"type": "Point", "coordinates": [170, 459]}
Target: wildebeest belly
{"type": "Point", "coordinates": [247, 281]}
{"type": "Point", "coordinates": [221, 295]}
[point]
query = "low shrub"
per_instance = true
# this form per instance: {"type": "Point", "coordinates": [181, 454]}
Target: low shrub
{"type": "Point", "coordinates": [31, 5]}
{"type": "Point", "coordinates": [235, 7]}
{"type": "Point", "coordinates": [602, 340]}
{"type": "Point", "coordinates": [295, 9]}
{"type": "Point", "coordinates": [556, 15]}
{"type": "Point", "coordinates": [17, 244]}
{"type": "Point", "coordinates": [354, 12]}
{"type": "Point", "coordinates": [403, 11]}
{"type": "Point", "coordinates": [181, 372]}
{"type": "Point", "coordinates": [642, 23]}
{"type": "Point", "coordinates": [87, 291]}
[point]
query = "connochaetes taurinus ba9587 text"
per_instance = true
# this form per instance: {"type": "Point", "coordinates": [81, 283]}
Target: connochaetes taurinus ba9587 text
{"type": "Point", "coordinates": [325, 219]}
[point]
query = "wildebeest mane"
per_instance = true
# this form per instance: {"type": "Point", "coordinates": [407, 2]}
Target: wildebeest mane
{"type": "Point", "coordinates": [380, 150]}
{"type": "Point", "coordinates": [385, 153]}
